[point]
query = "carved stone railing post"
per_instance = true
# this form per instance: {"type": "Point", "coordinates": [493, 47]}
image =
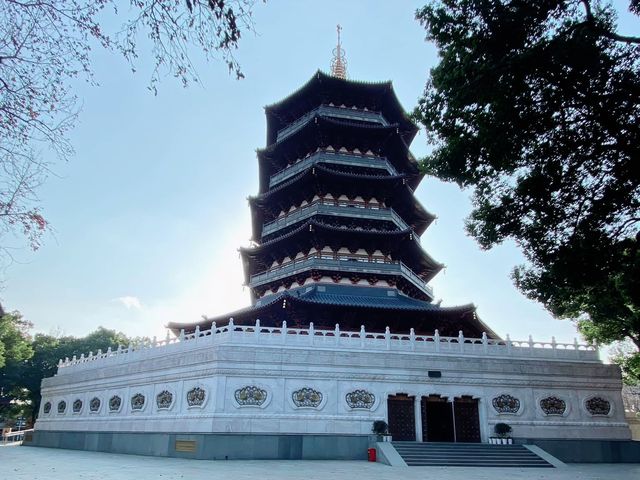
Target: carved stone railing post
{"type": "Point", "coordinates": [436, 339]}
{"type": "Point", "coordinates": [363, 334]}
{"type": "Point", "coordinates": [196, 335]}
{"type": "Point", "coordinates": [554, 346]}
{"type": "Point", "coordinates": [256, 331]}
{"type": "Point", "coordinates": [336, 334]}
{"type": "Point", "coordinates": [387, 338]}
{"type": "Point", "coordinates": [576, 347]}
{"type": "Point", "coordinates": [181, 337]}
{"type": "Point", "coordinates": [530, 346]}
{"type": "Point", "coordinates": [283, 331]}
{"type": "Point", "coordinates": [509, 345]}
{"type": "Point", "coordinates": [167, 339]}
{"type": "Point", "coordinates": [485, 342]}
{"type": "Point", "coordinates": [412, 339]}
{"type": "Point", "coordinates": [214, 327]}
{"type": "Point", "coordinates": [461, 341]}
{"type": "Point", "coordinates": [312, 333]}
{"type": "Point", "coordinates": [230, 329]}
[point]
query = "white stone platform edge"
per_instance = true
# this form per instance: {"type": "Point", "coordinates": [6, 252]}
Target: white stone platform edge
{"type": "Point", "coordinates": [545, 456]}
{"type": "Point", "coordinates": [387, 454]}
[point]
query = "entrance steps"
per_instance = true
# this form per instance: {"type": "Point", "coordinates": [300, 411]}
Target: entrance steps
{"type": "Point", "coordinates": [468, 455]}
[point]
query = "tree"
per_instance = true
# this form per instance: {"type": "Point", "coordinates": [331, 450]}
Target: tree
{"type": "Point", "coordinates": [14, 338]}
{"type": "Point", "coordinates": [15, 348]}
{"type": "Point", "coordinates": [21, 380]}
{"type": "Point", "coordinates": [535, 107]}
{"type": "Point", "coordinates": [45, 44]}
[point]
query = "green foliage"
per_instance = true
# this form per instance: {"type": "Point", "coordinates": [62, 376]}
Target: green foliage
{"type": "Point", "coordinates": [380, 427]}
{"type": "Point", "coordinates": [535, 107]}
{"type": "Point", "coordinates": [502, 429]}
{"type": "Point", "coordinates": [626, 356]}
{"type": "Point", "coordinates": [21, 380]}
{"type": "Point", "coordinates": [14, 338]}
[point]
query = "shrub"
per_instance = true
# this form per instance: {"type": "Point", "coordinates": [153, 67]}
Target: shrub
{"type": "Point", "coordinates": [380, 427]}
{"type": "Point", "coordinates": [502, 429]}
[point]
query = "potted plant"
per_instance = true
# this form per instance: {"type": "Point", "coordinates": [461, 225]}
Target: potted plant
{"type": "Point", "coordinates": [381, 429]}
{"type": "Point", "coordinates": [503, 430]}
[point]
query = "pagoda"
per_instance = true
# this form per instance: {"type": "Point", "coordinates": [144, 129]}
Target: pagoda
{"type": "Point", "coordinates": [336, 225]}
{"type": "Point", "coordinates": [342, 331]}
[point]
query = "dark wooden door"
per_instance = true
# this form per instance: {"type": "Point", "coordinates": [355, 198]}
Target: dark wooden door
{"type": "Point", "coordinates": [467, 419]}
{"type": "Point", "coordinates": [402, 419]}
{"type": "Point", "coordinates": [437, 419]}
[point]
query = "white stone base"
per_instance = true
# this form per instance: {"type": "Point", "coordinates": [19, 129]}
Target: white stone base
{"type": "Point", "coordinates": [224, 363]}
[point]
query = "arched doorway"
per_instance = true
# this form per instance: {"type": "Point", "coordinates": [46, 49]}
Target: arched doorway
{"type": "Point", "coordinates": [401, 415]}
{"type": "Point", "coordinates": [437, 419]}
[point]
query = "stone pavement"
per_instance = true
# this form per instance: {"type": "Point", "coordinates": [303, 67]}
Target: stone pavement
{"type": "Point", "coordinates": [22, 463]}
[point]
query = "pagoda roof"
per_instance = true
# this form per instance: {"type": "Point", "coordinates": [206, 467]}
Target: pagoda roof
{"type": "Point", "coordinates": [323, 88]}
{"type": "Point", "coordinates": [319, 179]}
{"type": "Point", "coordinates": [401, 245]}
{"type": "Point", "coordinates": [356, 300]}
{"type": "Point", "coordinates": [322, 132]}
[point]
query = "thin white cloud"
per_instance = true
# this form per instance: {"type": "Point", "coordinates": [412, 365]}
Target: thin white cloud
{"type": "Point", "coordinates": [129, 302]}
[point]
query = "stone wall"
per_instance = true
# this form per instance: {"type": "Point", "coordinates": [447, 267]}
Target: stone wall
{"type": "Point", "coordinates": [256, 382]}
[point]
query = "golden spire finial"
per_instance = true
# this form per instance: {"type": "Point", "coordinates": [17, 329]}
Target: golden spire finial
{"type": "Point", "coordinates": [339, 62]}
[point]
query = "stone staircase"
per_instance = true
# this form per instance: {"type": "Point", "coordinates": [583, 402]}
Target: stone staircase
{"type": "Point", "coordinates": [468, 455]}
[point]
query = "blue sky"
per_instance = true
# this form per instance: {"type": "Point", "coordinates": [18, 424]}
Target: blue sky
{"type": "Point", "coordinates": [149, 213]}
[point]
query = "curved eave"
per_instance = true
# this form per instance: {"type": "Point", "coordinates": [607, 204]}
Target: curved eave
{"type": "Point", "coordinates": [323, 87]}
{"type": "Point", "coordinates": [321, 131]}
{"type": "Point", "coordinates": [301, 182]}
{"type": "Point", "coordinates": [248, 315]}
{"type": "Point", "coordinates": [400, 244]}
{"type": "Point", "coordinates": [385, 188]}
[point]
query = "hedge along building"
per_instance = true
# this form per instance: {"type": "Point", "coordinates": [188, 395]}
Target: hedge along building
{"type": "Point", "coordinates": [342, 329]}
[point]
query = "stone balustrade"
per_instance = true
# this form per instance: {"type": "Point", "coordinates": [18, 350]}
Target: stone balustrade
{"type": "Point", "coordinates": [257, 335]}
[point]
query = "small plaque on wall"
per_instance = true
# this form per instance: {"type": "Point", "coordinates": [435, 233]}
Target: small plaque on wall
{"type": "Point", "coordinates": [185, 445]}
{"type": "Point", "coordinates": [435, 374]}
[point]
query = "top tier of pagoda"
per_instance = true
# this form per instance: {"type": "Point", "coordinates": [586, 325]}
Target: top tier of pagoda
{"type": "Point", "coordinates": [335, 224]}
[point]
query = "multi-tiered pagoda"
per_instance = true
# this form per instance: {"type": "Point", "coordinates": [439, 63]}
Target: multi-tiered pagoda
{"type": "Point", "coordinates": [336, 231]}
{"type": "Point", "coordinates": [336, 225]}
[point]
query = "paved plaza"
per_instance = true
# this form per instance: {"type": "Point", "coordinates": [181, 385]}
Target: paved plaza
{"type": "Point", "coordinates": [18, 463]}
